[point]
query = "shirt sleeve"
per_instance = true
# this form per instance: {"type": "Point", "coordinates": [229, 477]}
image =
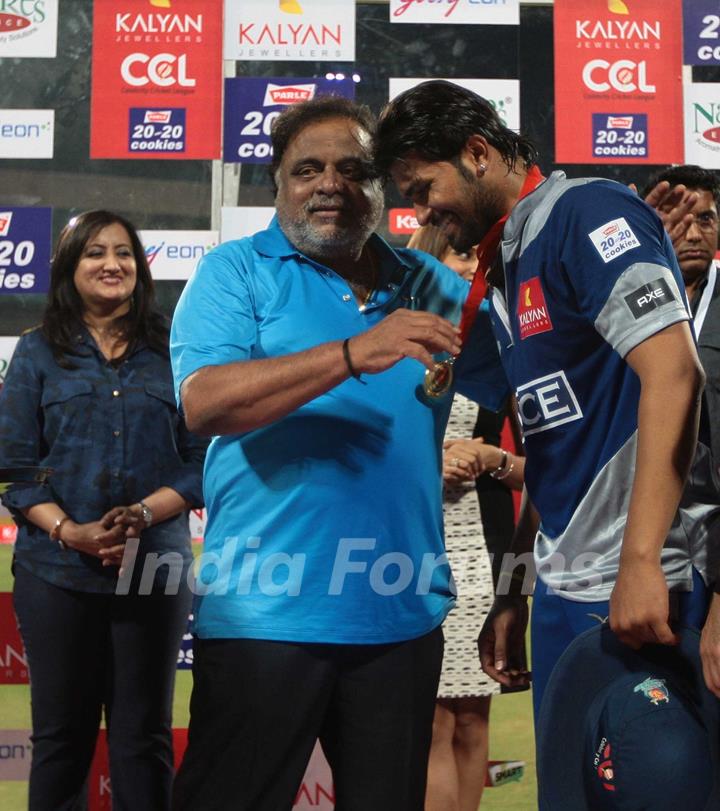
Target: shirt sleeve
{"type": "Point", "coordinates": [479, 371]}
{"type": "Point", "coordinates": [214, 321]}
{"type": "Point", "coordinates": [188, 478]}
{"type": "Point", "coordinates": [21, 426]}
{"type": "Point", "coordinates": [620, 264]}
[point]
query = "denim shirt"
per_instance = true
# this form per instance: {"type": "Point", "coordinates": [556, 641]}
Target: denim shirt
{"type": "Point", "coordinates": [111, 434]}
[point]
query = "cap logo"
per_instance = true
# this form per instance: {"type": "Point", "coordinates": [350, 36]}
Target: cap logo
{"type": "Point", "coordinates": [654, 689]}
{"type": "Point", "coordinates": [604, 765]}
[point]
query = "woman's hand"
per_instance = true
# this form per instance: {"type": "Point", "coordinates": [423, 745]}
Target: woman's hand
{"type": "Point", "coordinates": [101, 539]}
{"type": "Point", "coordinates": [130, 518]}
{"type": "Point", "coordinates": [466, 459]}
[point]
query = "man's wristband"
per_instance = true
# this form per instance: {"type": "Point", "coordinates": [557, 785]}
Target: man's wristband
{"type": "Point", "coordinates": [348, 360]}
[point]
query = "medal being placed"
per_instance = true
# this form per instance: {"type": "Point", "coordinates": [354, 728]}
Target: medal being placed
{"type": "Point", "coordinates": [439, 379]}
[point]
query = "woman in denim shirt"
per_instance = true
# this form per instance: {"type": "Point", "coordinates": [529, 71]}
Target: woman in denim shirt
{"type": "Point", "coordinates": [89, 394]}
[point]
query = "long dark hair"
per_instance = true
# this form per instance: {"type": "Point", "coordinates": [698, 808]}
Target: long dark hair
{"type": "Point", "coordinates": [435, 119]}
{"type": "Point", "coordinates": [63, 316]}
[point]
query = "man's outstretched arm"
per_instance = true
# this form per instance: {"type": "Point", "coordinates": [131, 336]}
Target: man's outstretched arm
{"type": "Point", "coordinates": [240, 396]}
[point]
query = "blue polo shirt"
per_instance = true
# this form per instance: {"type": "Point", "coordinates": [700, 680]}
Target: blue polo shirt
{"type": "Point", "coordinates": [326, 525]}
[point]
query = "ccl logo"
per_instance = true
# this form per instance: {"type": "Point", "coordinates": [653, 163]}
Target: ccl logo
{"type": "Point", "coordinates": [625, 76]}
{"type": "Point", "coordinates": [163, 70]}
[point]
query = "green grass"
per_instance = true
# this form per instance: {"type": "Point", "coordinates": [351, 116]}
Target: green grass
{"type": "Point", "coordinates": [511, 735]}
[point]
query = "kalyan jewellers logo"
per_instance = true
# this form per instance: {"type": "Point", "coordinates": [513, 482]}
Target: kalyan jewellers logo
{"type": "Point", "coordinates": [290, 7]}
{"type": "Point", "coordinates": [618, 7]}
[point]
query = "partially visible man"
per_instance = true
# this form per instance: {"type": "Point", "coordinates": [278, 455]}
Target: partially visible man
{"type": "Point", "coordinates": [298, 350]}
{"type": "Point", "coordinates": [590, 317]}
{"type": "Point", "coordinates": [695, 253]}
{"type": "Point", "coordinates": [696, 256]}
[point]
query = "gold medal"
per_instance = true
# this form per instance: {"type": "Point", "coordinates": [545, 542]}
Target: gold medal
{"type": "Point", "coordinates": [439, 379]}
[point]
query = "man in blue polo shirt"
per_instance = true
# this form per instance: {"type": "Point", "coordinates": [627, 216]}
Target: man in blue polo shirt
{"type": "Point", "coordinates": [590, 316]}
{"type": "Point", "coordinates": [319, 613]}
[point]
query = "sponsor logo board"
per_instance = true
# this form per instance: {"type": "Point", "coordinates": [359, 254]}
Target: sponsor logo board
{"type": "Point", "coordinates": [402, 221]}
{"type": "Point", "coordinates": [26, 133]}
{"type": "Point", "coordinates": [175, 254]}
{"type": "Point", "coordinates": [475, 12]}
{"type": "Point", "coordinates": [503, 94]}
{"type": "Point", "coordinates": [297, 30]}
{"type": "Point", "coordinates": [701, 32]}
{"type": "Point", "coordinates": [252, 104]}
{"type": "Point", "coordinates": [237, 222]}
{"type": "Point", "coordinates": [315, 792]}
{"type": "Point", "coordinates": [618, 59]}
{"type": "Point", "coordinates": [152, 63]}
{"type": "Point", "coordinates": [13, 662]}
{"type": "Point", "coordinates": [619, 135]}
{"type": "Point", "coordinates": [157, 130]}
{"type": "Point", "coordinates": [702, 124]}
{"type": "Point", "coordinates": [25, 250]}
{"type": "Point", "coordinates": [15, 754]}
{"type": "Point", "coordinates": [28, 28]}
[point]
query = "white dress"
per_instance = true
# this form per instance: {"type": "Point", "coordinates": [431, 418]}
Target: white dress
{"type": "Point", "coordinates": [465, 543]}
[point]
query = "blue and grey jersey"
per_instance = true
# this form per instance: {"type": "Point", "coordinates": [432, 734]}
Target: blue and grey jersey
{"type": "Point", "coordinates": [590, 274]}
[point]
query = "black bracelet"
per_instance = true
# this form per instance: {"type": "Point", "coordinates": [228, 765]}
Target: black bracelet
{"type": "Point", "coordinates": [346, 355]}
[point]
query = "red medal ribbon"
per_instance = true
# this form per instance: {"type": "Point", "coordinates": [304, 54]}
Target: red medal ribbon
{"type": "Point", "coordinates": [486, 253]}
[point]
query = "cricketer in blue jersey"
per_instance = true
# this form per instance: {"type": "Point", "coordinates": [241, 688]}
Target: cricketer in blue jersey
{"type": "Point", "coordinates": [592, 325]}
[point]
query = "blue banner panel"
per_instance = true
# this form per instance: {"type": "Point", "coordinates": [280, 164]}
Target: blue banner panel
{"type": "Point", "coordinates": [252, 104]}
{"type": "Point", "coordinates": [25, 236]}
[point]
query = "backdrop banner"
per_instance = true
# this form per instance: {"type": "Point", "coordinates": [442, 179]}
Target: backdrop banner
{"type": "Point", "coordinates": [156, 80]}
{"type": "Point", "coordinates": [618, 81]}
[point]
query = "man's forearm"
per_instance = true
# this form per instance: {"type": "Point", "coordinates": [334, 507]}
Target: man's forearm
{"type": "Point", "coordinates": [517, 572]}
{"type": "Point", "coordinates": [238, 397]}
{"type": "Point", "coordinates": [668, 415]}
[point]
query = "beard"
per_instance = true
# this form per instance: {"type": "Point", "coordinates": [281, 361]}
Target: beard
{"type": "Point", "coordinates": [336, 241]}
{"type": "Point", "coordinates": [485, 207]}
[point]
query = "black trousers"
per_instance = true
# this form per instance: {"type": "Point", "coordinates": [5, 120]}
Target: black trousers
{"type": "Point", "coordinates": [87, 652]}
{"type": "Point", "coordinates": [258, 707]}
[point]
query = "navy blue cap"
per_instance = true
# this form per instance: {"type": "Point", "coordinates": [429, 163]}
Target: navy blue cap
{"type": "Point", "coordinates": [625, 730]}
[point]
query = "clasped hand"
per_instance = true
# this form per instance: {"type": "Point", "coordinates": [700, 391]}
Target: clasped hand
{"type": "Point", "coordinates": [466, 459]}
{"type": "Point", "coordinates": [106, 537]}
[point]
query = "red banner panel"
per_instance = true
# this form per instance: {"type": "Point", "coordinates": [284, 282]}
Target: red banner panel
{"type": "Point", "coordinates": [13, 663]}
{"type": "Point", "coordinates": [618, 81]}
{"type": "Point", "coordinates": [156, 79]}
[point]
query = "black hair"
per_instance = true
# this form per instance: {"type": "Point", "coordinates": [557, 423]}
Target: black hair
{"type": "Point", "coordinates": [690, 175]}
{"type": "Point", "coordinates": [435, 119]}
{"type": "Point", "coordinates": [63, 316]}
{"type": "Point", "coordinates": [296, 117]}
